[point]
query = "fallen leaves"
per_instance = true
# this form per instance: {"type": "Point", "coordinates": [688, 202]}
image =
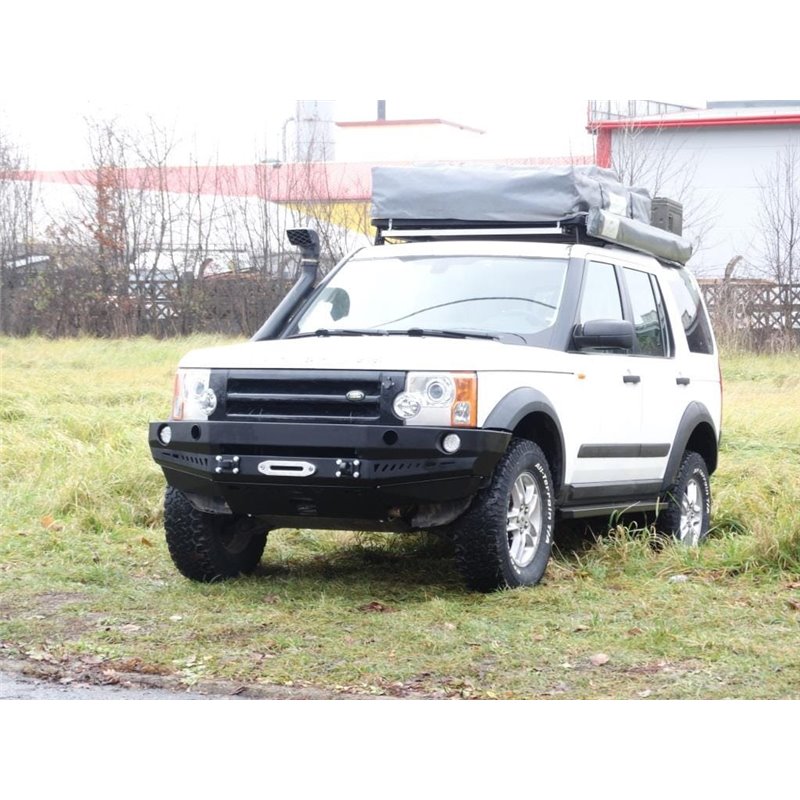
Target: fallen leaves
{"type": "Point", "coordinates": [794, 604]}
{"type": "Point", "coordinates": [376, 608]}
{"type": "Point", "coordinates": [134, 664]}
{"type": "Point", "coordinates": [265, 656]}
{"type": "Point", "coordinates": [40, 655]}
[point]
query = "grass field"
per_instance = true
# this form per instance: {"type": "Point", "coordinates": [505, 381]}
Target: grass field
{"type": "Point", "coordinates": [87, 588]}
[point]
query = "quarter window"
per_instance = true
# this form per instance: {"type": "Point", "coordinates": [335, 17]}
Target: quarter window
{"type": "Point", "coordinates": [690, 307]}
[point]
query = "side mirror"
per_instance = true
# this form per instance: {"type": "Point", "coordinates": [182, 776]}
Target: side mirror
{"type": "Point", "coordinates": [604, 334]}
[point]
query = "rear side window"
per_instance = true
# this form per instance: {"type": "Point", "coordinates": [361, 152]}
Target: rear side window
{"type": "Point", "coordinates": [690, 307]}
{"type": "Point", "coordinates": [646, 317]}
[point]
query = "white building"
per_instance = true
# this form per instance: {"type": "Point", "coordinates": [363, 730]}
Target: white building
{"type": "Point", "coordinates": [716, 160]}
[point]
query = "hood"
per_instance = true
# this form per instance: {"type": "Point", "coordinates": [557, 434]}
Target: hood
{"type": "Point", "coordinates": [389, 353]}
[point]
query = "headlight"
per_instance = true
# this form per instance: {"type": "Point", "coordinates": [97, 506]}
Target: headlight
{"type": "Point", "coordinates": [439, 399]}
{"type": "Point", "coordinates": [193, 397]}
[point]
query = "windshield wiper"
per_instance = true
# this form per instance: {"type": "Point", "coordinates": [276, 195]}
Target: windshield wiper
{"type": "Point", "coordinates": [339, 332]}
{"type": "Point", "coordinates": [447, 334]}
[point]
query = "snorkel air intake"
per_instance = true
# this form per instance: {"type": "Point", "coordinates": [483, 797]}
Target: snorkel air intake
{"type": "Point", "coordinates": [308, 242]}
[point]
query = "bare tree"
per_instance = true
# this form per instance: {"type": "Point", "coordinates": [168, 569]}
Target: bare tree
{"type": "Point", "coordinates": [16, 223]}
{"type": "Point", "coordinates": [779, 217]}
{"type": "Point", "coordinates": [656, 159]}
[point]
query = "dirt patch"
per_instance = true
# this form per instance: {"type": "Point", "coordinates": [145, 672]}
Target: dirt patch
{"type": "Point", "coordinates": [129, 673]}
{"type": "Point", "coordinates": [50, 602]}
{"type": "Point", "coordinates": [662, 667]}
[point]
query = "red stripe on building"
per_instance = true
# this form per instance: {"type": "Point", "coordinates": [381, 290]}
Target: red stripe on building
{"type": "Point", "coordinates": [278, 183]}
{"type": "Point", "coordinates": [707, 122]}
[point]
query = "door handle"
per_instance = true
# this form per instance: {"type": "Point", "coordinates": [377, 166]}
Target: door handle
{"type": "Point", "coordinates": [630, 379]}
{"type": "Point", "coordinates": [683, 381]}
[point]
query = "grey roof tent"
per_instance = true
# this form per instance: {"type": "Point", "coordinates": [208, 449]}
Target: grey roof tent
{"type": "Point", "coordinates": [574, 202]}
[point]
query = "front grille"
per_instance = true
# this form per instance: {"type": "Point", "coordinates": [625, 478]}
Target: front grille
{"type": "Point", "coordinates": [312, 396]}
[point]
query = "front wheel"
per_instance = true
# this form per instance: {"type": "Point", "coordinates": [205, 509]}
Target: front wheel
{"type": "Point", "coordinates": [208, 547]}
{"type": "Point", "coordinates": [687, 503]}
{"type": "Point", "coordinates": [505, 538]}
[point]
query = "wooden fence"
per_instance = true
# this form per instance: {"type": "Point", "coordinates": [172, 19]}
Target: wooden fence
{"type": "Point", "coordinates": [69, 302]}
{"type": "Point", "coordinates": [756, 315]}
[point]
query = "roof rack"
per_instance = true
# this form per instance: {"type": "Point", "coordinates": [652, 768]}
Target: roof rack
{"type": "Point", "coordinates": [404, 229]}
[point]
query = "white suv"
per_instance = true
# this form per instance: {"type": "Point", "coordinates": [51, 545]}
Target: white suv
{"type": "Point", "coordinates": [486, 383]}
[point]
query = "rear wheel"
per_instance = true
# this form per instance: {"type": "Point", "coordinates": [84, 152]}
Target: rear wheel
{"type": "Point", "coordinates": [687, 503]}
{"type": "Point", "coordinates": [208, 547]}
{"type": "Point", "coordinates": [505, 538]}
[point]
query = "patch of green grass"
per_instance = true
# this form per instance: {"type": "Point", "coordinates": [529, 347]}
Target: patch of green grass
{"type": "Point", "coordinates": [85, 576]}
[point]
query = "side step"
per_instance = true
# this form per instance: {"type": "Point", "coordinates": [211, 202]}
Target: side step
{"type": "Point", "coordinates": [606, 510]}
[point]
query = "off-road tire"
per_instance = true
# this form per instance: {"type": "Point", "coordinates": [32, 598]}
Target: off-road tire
{"type": "Point", "coordinates": [686, 505]}
{"type": "Point", "coordinates": [482, 541]}
{"type": "Point", "coordinates": [209, 547]}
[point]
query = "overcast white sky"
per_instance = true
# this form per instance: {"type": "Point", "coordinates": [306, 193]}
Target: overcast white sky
{"type": "Point", "coordinates": [218, 73]}
{"type": "Point", "coordinates": [243, 129]}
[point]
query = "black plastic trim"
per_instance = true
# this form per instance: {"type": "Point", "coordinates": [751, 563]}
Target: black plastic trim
{"type": "Point", "coordinates": [695, 414]}
{"type": "Point", "coordinates": [517, 405]}
{"type": "Point", "coordinates": [623, 450]}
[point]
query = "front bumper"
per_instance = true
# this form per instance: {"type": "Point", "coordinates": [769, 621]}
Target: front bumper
{"type": "Point", "coordinates": [334, 473]}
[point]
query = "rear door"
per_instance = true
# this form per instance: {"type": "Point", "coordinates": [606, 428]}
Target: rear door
{"type": "Point", "coordinates": [656, 368]}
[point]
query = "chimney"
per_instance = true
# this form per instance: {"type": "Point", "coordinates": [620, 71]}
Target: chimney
{"type": "Point", "coordinates": [381, 109]}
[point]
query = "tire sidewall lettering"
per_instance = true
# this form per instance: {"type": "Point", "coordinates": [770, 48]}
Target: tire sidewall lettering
{"type": "Point", "coordinates": [547, 517]}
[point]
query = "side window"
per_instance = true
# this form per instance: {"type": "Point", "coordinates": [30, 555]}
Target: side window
{"type": "Point", "coordinates": [600, 298]}
{"type": "Point", "coordinates": [669, 341]}
{"type": "Point", "coordinates": [646, 318]}
{"type": "Point", "coordinates": [690, 307]}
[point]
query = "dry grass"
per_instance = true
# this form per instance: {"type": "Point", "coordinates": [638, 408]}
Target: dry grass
{"type": "Point", "coordinates": [86, 583]}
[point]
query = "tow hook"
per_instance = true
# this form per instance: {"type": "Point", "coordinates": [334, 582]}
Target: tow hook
{"type": "Point", "coordinates": [227, 465]}
{"type": "Point", "coordinates": [348, 469]}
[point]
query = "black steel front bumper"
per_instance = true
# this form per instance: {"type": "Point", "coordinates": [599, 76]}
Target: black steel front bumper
{"type": "Point", "coordinates": [334, 473]}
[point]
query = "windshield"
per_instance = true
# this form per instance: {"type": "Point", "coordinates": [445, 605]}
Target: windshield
{"type": "Point", "coordinates": [489, 294]}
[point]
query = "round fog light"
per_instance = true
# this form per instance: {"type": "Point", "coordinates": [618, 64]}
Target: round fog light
{"type": "Point", "coordinates": [165, 434]}
{"type": "Point", "coordinates": [451, 443]}
{"type": "Point", "coordinates": [406, 406]}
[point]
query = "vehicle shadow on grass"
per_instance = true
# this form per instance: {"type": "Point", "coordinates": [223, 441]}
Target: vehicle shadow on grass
{"type": "Point", "coordinates": [407, 560]}
{"type": "Point", "coordinates": [383, 562]}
